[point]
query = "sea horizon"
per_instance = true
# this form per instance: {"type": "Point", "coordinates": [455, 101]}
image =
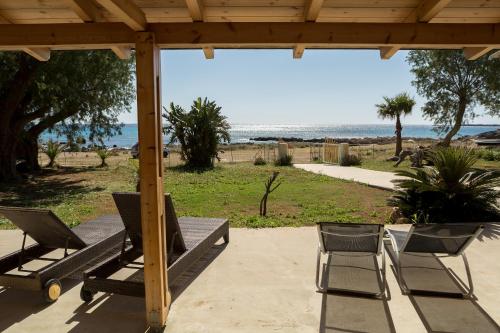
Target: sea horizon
{"type": "Point", "coordinates": [247, 133]}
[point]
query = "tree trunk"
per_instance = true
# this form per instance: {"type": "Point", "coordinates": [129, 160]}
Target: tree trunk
{"type": "Point", "coordinates": [8, 162]}
{"type": "Point", "coordinates": [28, 151]}
{"type": "Point", "coordinates": [462, 105]}
{"type": "Point", "coordinates": [399, 141]}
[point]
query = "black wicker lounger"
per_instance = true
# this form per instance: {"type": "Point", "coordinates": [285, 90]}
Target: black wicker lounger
{"type": "Point", "coordinates": [92, 241]}
{"type": "Point", "coordinates": [188, 239]}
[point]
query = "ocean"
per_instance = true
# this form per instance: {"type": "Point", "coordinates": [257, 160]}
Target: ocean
{"type": "Point", "coordinates": [243, 133]}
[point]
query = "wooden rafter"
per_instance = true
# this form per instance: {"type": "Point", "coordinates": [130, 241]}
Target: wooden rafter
{"type": "Point", "coordinates": [40, 54]}
{"type": "Point", "coordinates": [127, 11]}
{"type": "Point", "coordinates": [473, 53]}
{"type": "Point", "coordinates": [424, 12]}
{"type": "Point", "coordinates": [298, 51]}
{"type": "Point", "coordinates": [86, 10]}
{"type": "Point", "coordinates": [495, 55]}
{"type": "Point", "coordinates": [122, 52]}
{"type": "Point", "coordinates": [256, 35]}
{"type": "Point", "coordinates": [196, 9]}
{"type": "Point", "coordinates": [209, 52]}
{"type": "Point", "coordinates": [312, 9]}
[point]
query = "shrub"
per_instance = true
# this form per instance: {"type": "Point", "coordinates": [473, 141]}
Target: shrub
{"type": "Point", "coordinates": [198, 131]}
{"type": "Point", "coordinates": [103, 154]}
{"type": "Point", "coordinates": [352, 160]}
{"type": "Point", "coordinates": [284, 161]}
{"type": "Point", "coordinates": [449, 191]}
{"type": "Point", "coordinates": [53, 150]}
{"type": "Point", "coordinates": [259, 160]}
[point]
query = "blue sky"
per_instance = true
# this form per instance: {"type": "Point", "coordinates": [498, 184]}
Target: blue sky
{"type": "Point", "coordinates": [270, 87]}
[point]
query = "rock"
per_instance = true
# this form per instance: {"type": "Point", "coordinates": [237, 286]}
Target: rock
{"type": "Point", "coordinates": [396, 214]}
{"type": "Point", "coordinates": [403, 220]}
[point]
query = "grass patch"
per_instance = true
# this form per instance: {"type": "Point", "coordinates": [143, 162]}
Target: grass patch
{"type": "Point", "coordinates": [230, 190]}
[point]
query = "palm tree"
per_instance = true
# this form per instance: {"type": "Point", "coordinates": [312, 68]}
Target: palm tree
{"type": "Point", "coordinates": [198, 131]}
{"type": "Point", "coordinates": [393, 108]}
{"type": "Point", "coordinates": [449, 190]}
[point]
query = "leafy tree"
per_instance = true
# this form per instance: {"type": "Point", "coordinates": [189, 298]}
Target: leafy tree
{"type": "Point", "coordinates": [449, 191]}
{"type": "Point", "coordinates": [73, 88]}
{"type": "Point", "coordinates": [198, 131]}
{"type": "Point", "coordinates": [393, 108]}
{"type": "Point", "coordinates": [454, 87]}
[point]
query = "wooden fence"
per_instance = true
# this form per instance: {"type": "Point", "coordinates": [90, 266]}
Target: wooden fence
{"type": "Point", "coordinates": [331, 151]}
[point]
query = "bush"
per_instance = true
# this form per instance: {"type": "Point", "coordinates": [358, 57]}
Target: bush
{"type": "Point", "coordinates": [198, 131]}
{"type": "Point", "coordinates": [284, 161]}
{"type": "Point", "coordinates": [53, 150]}
{"type": "Point", "coordinates": [449, 191]}
{"type": "Point", "coordinates": [259, 161]}
{"type": "Point", "coordinates": [351, 160]}
{"type": "Point", "coordinates": [103, 155]}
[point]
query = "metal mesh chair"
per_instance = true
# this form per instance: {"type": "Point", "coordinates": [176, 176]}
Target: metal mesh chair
{"type": "Point", "coordinates": [442, 240]}
{"type": "Point", "coordinates": [350, 239]}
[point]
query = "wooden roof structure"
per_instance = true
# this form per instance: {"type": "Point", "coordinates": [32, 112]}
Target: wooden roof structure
{"type": "Point", "coordinates": [39, 26]}
{"type": "Point", "coordinates": [379, 24]}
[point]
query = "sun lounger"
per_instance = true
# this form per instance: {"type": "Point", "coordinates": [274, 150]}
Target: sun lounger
{"type": "Point", "coordinates": [349, 239]}
{"type": "Point", "coordinates": [442, 240]}
{"type": "Point", "coordinates": [188, 239]}
{"type": "Point", "coordinates": [87, 242]}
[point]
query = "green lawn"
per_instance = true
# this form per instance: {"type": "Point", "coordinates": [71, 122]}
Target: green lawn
{"type": "Point", "coordinates": [230, 190]}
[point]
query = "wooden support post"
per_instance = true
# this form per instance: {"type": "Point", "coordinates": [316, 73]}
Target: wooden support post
{"type": "Point", "coordinates": [151, 179]}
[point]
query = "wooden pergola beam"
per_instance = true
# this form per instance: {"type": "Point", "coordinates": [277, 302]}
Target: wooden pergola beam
{"type": "Point", "coordinates": [40, 54]}
{"type": "Point", "coordinates": [122, 52]}
{"type": "Point", "coordinates": [127, 11]}
{"type": "Point", "coordinates": [312, 9]}
{"type": "Point", "coordinates": [255, 35]}
{"type": "Point", "coordinates": [495, 55]}
{"type": "Point", "coordinates": [424, 12]}
{"type": "Point", "coordinates": [298, 51]}
{"type": "Point", "coordinates": [386, 52]}
{"type": "Point", "coordinates": [196, 9]}
{"type": "Point", "coordinates": [473, 53]}
{"type": "Point", "coordinates": [86, 10]}
{"type": "Point", "coordinates": [209, 52]}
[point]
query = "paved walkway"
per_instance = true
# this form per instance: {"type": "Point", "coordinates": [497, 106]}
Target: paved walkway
{"type": "Point", "coordinates": [374, 178]}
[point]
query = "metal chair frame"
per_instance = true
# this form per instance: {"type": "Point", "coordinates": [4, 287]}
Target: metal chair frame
{"type": "Point", "coordinates": [461, 252]}
{"type": "Point", "coordinates": [380, 251]}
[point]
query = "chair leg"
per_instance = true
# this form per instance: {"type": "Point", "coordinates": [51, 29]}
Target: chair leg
{"type": "Point", "coordinates": [383, 276]}
{"type": "Point", "coordinates": [318, 275]}
{"type": "Point", "coordinates": [226, 238]}
{"type": "Point", "coordinates": [470, 287]}
{"type": "Point", "coordinates": [401, 281]}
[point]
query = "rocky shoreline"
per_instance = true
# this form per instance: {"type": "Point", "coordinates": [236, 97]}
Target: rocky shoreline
{"type": "Point", "coordinates": [352, 141]}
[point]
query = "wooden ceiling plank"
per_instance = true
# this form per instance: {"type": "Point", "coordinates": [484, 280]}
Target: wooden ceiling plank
{"type": "Point", "coordinates": [474, 53]}
{"type": "Point", "coordinates": [312, 9]}
{"type": "Point", "coordinates": [122, 52]}
{"type": "Point", "coordinates": [196, 9]}
{"type": "Point", "coordinates": [298, 51]}
{"type": "Point", "coordinates": [40, 54]}
{"type": "Point", "coordinates": [127, 11]}
{"type": "Point", "coordinates": [86, 10]}
{"type": "Point", "coordinates": [209, 52]}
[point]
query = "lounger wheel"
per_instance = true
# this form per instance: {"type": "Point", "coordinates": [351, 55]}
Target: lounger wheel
{"type": "Point", "coordinates": [86, 295]}
{"type": "Point", "coordinates": [52, 290]}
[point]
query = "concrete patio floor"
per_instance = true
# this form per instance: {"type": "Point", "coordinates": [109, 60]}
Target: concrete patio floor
{"type": "Point", "coordinates": [263, 281]}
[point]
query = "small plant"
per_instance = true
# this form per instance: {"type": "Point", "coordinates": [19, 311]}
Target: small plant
{"type": "Point", "coordinates": [351, 160]}
{"type": "Point", "coordinates": [284, 161]}
{"type": "Point", "coordinates": [53, 150]}
{"type": "Point", "coordinates": [103, 154]}
{"type": "Point", "coordinates": [259, 160]}
{"type": "Point", "coordinates": [269, 190]}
